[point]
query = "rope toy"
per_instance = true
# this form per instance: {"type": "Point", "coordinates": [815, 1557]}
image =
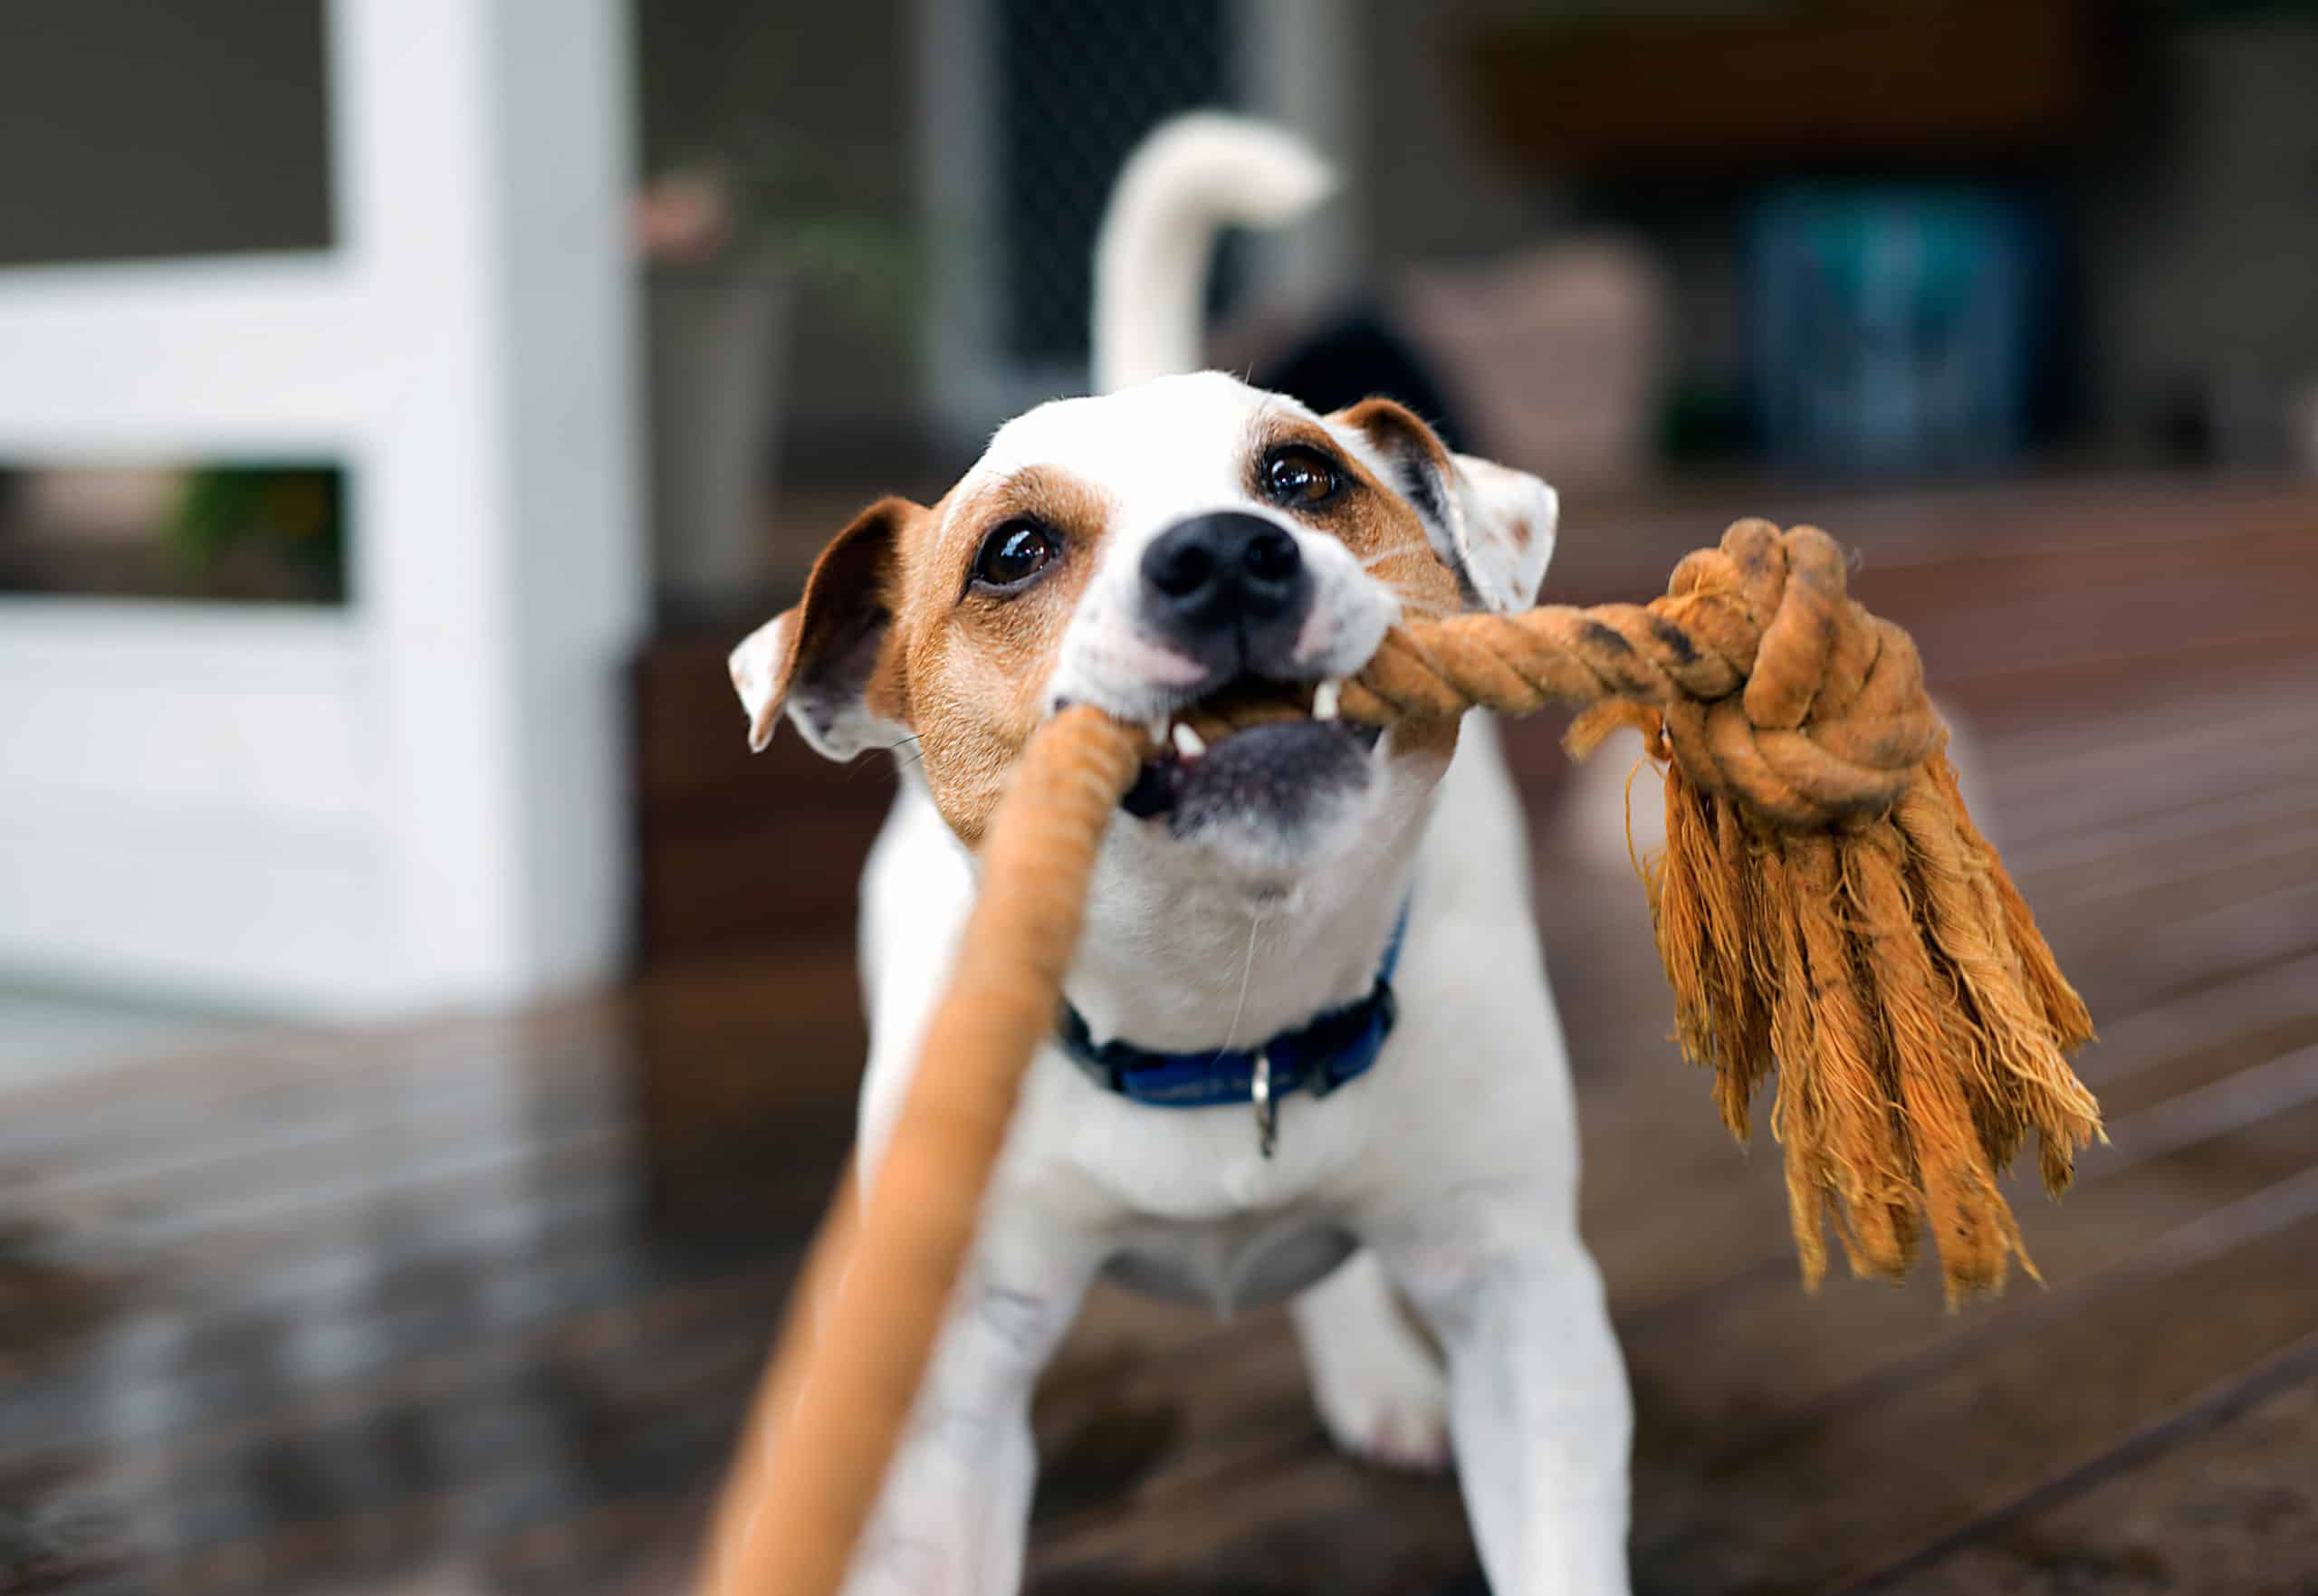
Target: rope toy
{"type": "Point", "coordinates": [1824, 906]}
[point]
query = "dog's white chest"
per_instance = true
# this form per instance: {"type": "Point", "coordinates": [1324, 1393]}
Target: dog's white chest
{"type": "Point", "coordinates": [1245, 1261]}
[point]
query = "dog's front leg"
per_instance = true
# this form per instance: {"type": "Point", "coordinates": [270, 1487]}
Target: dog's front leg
{"type": "Point", "coordinates": [955, 1509]}
{"type": "Point", "coordinates": [1540, 1418]}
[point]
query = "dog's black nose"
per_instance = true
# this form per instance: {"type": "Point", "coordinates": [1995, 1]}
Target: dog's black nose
{"type": "Point", "coordinates": [1227, 573]}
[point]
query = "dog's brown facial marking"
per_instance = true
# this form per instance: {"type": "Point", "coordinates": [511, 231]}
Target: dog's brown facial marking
{"type": "Point", "coordinates": [981, 617]}
{"type": "Point", "coordinates": [1373, 518]}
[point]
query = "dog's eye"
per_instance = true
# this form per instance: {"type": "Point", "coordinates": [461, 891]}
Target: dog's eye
{"type": "Point", "coordinates": [1299, 476]}
{"type": "Point", "coordinates": [1015, 554]}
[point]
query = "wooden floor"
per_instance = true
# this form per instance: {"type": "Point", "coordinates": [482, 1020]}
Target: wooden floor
{"type": "Point", "coordinates": [473, 1307]}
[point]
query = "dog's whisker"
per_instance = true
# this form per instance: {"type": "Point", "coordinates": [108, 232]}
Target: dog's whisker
{"type": "Point", "coordinates": [1247, 971]}
{"type": "Point", "coordinates": [906, 751]}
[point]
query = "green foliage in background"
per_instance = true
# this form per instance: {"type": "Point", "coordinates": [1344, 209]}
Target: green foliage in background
{"type": "Point", "coordinates": [295, 511]}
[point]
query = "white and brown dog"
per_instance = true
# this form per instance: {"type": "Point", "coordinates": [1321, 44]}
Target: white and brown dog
{"type": "Point", "coordinates": [1308, 1051]}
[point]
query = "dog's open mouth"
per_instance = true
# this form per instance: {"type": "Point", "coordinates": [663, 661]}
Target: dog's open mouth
{"type": "Point", "coordinates": [1286, 751]}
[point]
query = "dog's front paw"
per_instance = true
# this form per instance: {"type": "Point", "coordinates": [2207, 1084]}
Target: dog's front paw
{"type": "Point", "coordinates": [1387, 1405]}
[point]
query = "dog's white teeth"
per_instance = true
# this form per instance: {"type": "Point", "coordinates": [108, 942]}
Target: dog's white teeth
{"type": "Point", "coordinates": [1188, 742]}
{"type": "Point", "coordinates": [1326, 699]}
{"type": "Point", "coordinates": [1159, 730]}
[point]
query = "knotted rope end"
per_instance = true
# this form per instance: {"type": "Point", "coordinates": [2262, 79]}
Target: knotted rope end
{"type": "Point", "coordinates": [1825, 908]}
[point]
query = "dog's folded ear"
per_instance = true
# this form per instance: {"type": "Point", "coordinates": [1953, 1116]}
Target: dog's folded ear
{"type": "Point", "coordinates": [1492, 524]}
{"type": "Point", "coordinates": [826, 661]}
{"type": "Point", "coordinates": [1510, 521]}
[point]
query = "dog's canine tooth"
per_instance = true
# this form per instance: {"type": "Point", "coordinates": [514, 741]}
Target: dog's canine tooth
{"type": "Point", "coordinates": [1188, 742]}
{"type": "Point", "coordinates": [1325, 698]}
{"type": "Point", "coordinates": [1159, 729]}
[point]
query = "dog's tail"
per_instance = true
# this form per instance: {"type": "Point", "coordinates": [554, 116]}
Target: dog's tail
{"type": "Point", "coordinates": [1188, 180]}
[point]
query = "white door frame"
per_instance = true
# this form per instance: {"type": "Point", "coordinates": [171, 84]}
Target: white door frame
{"type": "Point", "coordinates": [420, 799]}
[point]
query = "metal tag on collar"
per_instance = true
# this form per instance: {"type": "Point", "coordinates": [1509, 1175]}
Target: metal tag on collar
{"type": "Point", "coordinates": [1267, 1106]}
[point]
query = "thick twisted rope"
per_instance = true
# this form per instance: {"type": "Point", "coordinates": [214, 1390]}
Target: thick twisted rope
{"type": "Point", "coordinates": [824, 1426]}
{"type": "Point", "coordinates": [1775, 688]}
{"type": "Point", "coordinates": [1824, 906]}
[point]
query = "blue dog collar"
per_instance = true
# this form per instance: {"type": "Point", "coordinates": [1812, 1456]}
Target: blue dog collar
{"type": "Point", "coordinates": [1340, 1046]}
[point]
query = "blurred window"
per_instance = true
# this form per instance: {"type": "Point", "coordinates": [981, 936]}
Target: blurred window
{"type": "Point", "coordinates": [143, 129]}
{"type": "Point", "coordinates": [246, 532]}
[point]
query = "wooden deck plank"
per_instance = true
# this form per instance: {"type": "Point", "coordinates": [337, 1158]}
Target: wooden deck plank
{"type": "Point", "coordinates": [1856, 1332]}
{"type": "Point", "coordinates": [2220, 1499]}
{"type": "Point", "coordinates": [1838, 1494]}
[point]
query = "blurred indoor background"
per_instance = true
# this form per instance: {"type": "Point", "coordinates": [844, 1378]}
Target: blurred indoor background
{"type": "Point", "coordinates": [425, 1034]}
